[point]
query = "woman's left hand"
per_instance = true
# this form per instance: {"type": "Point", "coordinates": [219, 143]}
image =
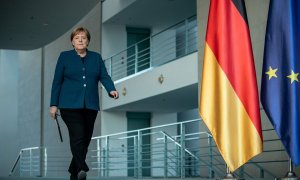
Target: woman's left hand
{"type": "Point", "coordinates": [114, 94]}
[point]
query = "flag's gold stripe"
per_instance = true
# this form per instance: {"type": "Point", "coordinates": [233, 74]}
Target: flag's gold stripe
{"type": "Point", "coordinates": [225, 116]}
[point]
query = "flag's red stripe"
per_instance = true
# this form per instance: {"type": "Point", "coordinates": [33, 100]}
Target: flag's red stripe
{"type": "Point", "coordinates": [234, 54]}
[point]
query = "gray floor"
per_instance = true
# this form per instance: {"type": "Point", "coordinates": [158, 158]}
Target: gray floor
{"type": "Point", "coordinates": [111, 178]}
{"type": "Point", "coordinates": [67, 178]}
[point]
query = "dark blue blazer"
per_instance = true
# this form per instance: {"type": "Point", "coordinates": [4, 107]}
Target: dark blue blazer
{"type": "Point", "coordinates": [75, 82]}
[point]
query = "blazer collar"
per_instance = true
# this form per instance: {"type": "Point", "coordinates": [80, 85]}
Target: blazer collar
{"type": "Point", "coordinates": [75, 52]}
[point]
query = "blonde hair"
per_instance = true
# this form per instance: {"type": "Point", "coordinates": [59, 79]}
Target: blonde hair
{"type": "Point", "coordinates": [79, 30]}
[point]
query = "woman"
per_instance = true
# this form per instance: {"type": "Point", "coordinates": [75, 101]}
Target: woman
{"type": "Point", "coordinates": [75, 93]}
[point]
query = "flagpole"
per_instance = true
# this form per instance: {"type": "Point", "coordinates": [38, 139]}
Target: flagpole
{"type": "Point", "coordinates": [290, 175]}
{"type": "Point", "coordinates": [229, 174]}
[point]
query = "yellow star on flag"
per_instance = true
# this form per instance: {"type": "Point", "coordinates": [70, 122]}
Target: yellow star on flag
{"type": "Point", "coordinates": [272, 72]}
{"type": "Point", "coordinates": [293, 77]}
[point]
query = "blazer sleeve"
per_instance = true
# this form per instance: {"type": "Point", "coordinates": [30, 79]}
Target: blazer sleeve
{"type": "Point", "coordinates": [57, 81]}
{"type": "Point", "coordinates": [105, 79]}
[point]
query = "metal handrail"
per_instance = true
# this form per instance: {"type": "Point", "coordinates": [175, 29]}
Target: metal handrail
{"type": "Point", "coordinates": [15, 164]}
{"type": "Point", "coordinates": [19, 156]}
{"type": "Point", "coordinates": [137, 57]}
{"type": "Point", "coordinates": [179, 145]}
{"type": "Point", "coordinates": [160, 32]}
{"type": "Point", "coordinates": [144, 129]}
{"type": "Point", "coordinates": [106, 158]}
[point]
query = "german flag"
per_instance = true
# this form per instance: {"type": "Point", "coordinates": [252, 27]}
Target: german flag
{"type": "Point", "coordinates": [229, 103]}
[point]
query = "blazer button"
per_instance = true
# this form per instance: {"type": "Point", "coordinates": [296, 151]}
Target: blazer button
{"type": "Point", "coordinates": [83, 77]}
{"type": "Point", "coordinates": [83, 69]}
{"type": "Point", "coordinates": [84, 85]}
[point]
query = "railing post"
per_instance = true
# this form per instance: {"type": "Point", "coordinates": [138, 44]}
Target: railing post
{"type": "Point", "coordinates": [186, 23]}
{"type": "Point", "coordinates": [30, 162]}
{"type": "Point", "coordinates": [178, 152]}
{"type": "Point", "coordinates": [103, 165]}
{"type": "Point", "coordinates": [262, 173]}
{"type": "Point", "coordinates": [140, 164]}
{"type": "Point", "coordinates": [98, 157]}
{"type": "Point", "coordinates": [135, 155]}
{"type": "Point", "coordinates": [165, 156]}
{"type": "Point", "coordinates": [45, 162]}
{"type": "Point", "coordinates": [150, 52]}
{"type": "Point", "coordinates": [107, 157]}
{"type": "Point", "coordinates": [21, 163]}
{"type": "Point", "coordinates": [42, 161]}
{"type": "Point", "coordinates": [136, 59]}
{"type": "Point", "coordinates": [182, 152]}
{"type": "Point", "coordinates": [110, 68]}
{"type": "Point", "coordinates": [211, 172]}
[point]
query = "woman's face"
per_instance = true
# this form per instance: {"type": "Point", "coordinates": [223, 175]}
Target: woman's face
{"type": "Point", "coordinates": [80, 41]}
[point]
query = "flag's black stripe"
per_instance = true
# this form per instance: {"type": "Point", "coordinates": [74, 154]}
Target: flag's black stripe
{"type": "Point", "coordinates": [240, 5]}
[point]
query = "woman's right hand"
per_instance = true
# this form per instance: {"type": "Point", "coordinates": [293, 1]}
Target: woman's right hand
{"type": "Point", "coordinates": [53, 111]}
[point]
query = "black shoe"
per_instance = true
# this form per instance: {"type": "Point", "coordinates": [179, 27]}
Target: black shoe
{"type": "Point", "coordinates": [81, 175]}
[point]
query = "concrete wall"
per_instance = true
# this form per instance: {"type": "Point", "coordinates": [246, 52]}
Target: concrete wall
{"type": "Point", "coordinates": [114, 39]}
{"type": "Point", "coordinates": [110, 8]}
{"type": "Point", "coordinates": [29, 98]}
{"type": "Point", "coordinates": [9, 137]}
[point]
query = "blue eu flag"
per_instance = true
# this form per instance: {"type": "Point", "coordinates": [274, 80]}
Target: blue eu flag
{"type": "Point", "coordinates": [280, 91]}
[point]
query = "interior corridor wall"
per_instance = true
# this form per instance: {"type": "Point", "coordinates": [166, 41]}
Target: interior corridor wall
{"type": "Point", "coordinates": [110, 8]}
{"type": "Point", "coordinates": [20, 104]}
{"type": "Point", "coordinates": [8, 109]}
{"type": "Point", "coordinates": [112, 33]}
{"type": "Point", "coordinates": [29, 98]}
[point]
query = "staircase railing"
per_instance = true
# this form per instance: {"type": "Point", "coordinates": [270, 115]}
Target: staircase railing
{"type": "Point", "coordinates": [29, 161]}
{"type": "Point", "coordinates": [171, 152]}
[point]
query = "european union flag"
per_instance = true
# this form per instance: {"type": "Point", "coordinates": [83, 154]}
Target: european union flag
{"type": "Point", "coordinates": [280, 91]}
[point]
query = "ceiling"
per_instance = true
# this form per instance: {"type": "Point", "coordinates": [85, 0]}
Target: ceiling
{"type": "Point", "coordinates": [158, 13]}
{"type": "Point", "coordinates": [31, 24]}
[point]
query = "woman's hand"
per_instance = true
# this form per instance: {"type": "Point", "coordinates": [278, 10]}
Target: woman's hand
{"type": "Point", "coordinates": [53, 111]}
{"type": "Point", "coordinates": [114, 94]}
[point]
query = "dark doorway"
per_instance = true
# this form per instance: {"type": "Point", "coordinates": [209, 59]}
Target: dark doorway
{"type": "Point", "coordinates": [139, 120]}
{"type": "Point", "coordinates": [138, 56]}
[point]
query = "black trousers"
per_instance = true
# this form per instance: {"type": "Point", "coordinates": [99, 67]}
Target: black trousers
{"type": "Point", "coordinates": [80, 123]}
